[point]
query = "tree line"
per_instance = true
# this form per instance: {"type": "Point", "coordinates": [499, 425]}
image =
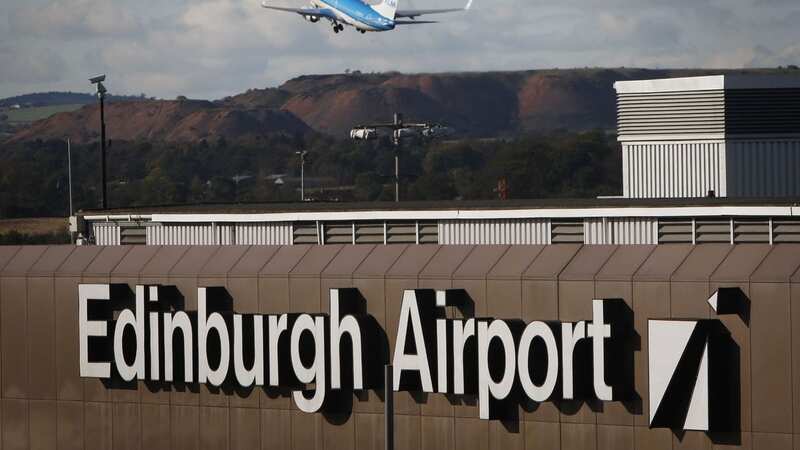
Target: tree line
{"type": "Point", "coordinates": [34, 183]}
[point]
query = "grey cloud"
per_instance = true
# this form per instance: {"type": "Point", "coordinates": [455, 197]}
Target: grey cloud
{"type": "Point", "coordinates": [33, 66]}
{"type": "Point", "coordinates": [75, 19]}
{"type": "Point", "coordinates": [212, 48]}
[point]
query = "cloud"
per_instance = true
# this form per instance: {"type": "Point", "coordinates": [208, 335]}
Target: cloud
{"type": "Point", "coordinates": [75, 19]}
{"type": "Point", "coordinates": [213, 48]}
{"type": "Point", "coordinates": [40, 65]}
{"type": "Point", "coordinates": [758, 56]}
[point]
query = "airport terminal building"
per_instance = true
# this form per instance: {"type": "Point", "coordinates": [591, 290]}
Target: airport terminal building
{"type": "Point", "coordinates": [663, 319]}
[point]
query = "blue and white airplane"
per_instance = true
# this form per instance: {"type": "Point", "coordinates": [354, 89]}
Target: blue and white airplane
{"type": "Point", "coordinates": [363, 15]}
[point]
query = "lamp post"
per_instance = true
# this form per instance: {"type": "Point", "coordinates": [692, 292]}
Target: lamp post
{"type": "Point", "coordinates": [69, 175]}
{"type": "Point", "coordinates": [302, 154]}
{"type": "Point", "coordinates": [101, 95]}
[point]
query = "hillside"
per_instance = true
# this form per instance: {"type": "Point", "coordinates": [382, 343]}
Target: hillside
{"type": "Point", "coordinates": [161, 120]}
{"type": "Point", "coordinates": [58, 98]}
{"type": "Point", "coordinates": [476, 104]}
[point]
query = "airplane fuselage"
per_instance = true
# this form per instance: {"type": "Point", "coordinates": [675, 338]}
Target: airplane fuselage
{"type": "Point", "coordinates": [357, 14]}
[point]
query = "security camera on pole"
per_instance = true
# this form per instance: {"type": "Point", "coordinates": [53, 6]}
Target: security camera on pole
{"type": "Point", "coordinates": [101, 95]}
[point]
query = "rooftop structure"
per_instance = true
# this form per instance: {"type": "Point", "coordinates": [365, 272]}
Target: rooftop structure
{"type": "Point", "coordinates": [705, 160]}
{"type": "Point", "coordinates": [727, 136]}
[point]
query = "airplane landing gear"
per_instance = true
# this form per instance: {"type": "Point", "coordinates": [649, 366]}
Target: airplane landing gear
{"type": "Point", "coordinates": [363, 31]}
{"type": "Point", "coordinates": [337, 27]}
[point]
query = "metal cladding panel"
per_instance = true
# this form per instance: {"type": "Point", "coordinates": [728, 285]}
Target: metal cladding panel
{"type": "Point", "coordinates": [316, 260]}
{"type": "Point", "coordinates": [78, 260]}
{"type": "Point", "coordinates": [164, 260]}
{"type": "Point", "coordinates": [136, 260]}
{"type": "Point", "coordinates": [348, 260]}
{"type": "Point", "coordinates": [587, 263]}
{"type": "Point", "coordinates": [702, 262]}
{"type": "Point", "coordinates": [741, 262]}
{"type": "Point", "coordinates": [762, 111]}
{"type": "Point", "coordinates": [779, 266]}
{"type": "Point", "coordinates": [551, 261]}
{"type": "Point", "coordinates": [494, 232]}
{"type": "Point", "coordinates": [412, 261]}
{"type": "Point", "coordinates": [264, 233]}
{"type": "Point", "coordinates": [52, 259]}
{"type": "Point", "coordinates": [7, 253]}
{"type": "Point", "coordinates": [284, 260]}
{"type": "Point", "coordinates": [190, 234]}
{"type": "Point", "coordinates": [193, 261]}
{"type": "Point", "coordinates": [223, 260]}
{"type": "Point", "coordinates": [43, 419]}
{"type": "Point", "coordinates": [624, 263]}
{"type": "Point", "coordinates": [674, 169]}
{"type": "Point", "coordinates": [445, 262]}
{"type": "Point", "coordinates": [24, 260]}
{"type": "Point", "coordinates": [515, 262]}
{"type": "Point", "coordinates": [106, 233]}
{"type": "Point", "coordinates": [106, 261]}
{"type": "Point", "coordinates": [632, 231]}
{"type": "Point", "coordinates": [379, 261]}
{"type": "Point", "coordinates": [480, 262]}
{"type": "Point", "coordinates": [251, 263]}
{"type": "Point", "coordinates": [661, 113]}
{"type": "Point", "coordinates": [663, 262]}
{"type": "Point", "coordinates": [768, 168]}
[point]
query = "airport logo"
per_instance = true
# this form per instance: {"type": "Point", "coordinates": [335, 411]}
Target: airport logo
{"type": "Point", "coordinates": [693, 369]}
{"type": "Point", "coordinates": [148, 335]}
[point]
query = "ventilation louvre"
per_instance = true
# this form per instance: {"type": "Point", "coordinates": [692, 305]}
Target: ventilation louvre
{"type": "Point", "coordinates": [567, 232]}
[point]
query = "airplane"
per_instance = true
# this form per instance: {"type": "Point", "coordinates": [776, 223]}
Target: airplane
{"type": "Point", "coordinates": [363, 15]}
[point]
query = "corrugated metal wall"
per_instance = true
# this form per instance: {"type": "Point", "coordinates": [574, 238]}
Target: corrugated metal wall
{"type": "Point", "coordinates": [190, 234]}
{"type": "Point", "coordinates": [106, 233]}
{"type": "Point", "coordinates": [673, 170]}
{"type": "Point", "coordinates": [633, 231]}
{"type": "Point", "coordinates": [494, 232]}
{"type": "Point", "coordinates": [279, 233]}
{"type": "Point", "coordinates": [763, 168]}
{"type": "Point", "coordinates": [666, 113]}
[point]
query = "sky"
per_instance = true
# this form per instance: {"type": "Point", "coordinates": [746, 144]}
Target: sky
{"type": "Point", "coordinates": [214, 48]}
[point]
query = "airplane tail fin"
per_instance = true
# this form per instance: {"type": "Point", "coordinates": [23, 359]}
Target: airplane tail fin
{"type": "Point", "coordinates": [386, 8]}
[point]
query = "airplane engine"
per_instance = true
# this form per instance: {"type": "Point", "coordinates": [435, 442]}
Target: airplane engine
{"type": "Point", "coordinates": [311, 19]}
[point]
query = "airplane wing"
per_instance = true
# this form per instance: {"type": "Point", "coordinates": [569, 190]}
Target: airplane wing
{"type": "Point", "coordinates": [413, 13]}
{"type": "Point", "coordinates": [310, 12]}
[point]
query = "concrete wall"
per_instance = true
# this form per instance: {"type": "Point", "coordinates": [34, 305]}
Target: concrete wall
{"type": "Point", "coordinates": [45, 404]}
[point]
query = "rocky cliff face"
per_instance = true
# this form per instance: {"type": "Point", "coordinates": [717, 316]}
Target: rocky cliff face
{"type": "Point", "coordinates": [486, 104]}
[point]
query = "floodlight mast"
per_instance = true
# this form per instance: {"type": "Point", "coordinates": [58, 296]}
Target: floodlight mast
{"type": "Point", "coordinates": [101, 95]}
{"type": "Point", "coordinates": [399, 130]}
{"type": "Point", "coordinates": [398, 124]}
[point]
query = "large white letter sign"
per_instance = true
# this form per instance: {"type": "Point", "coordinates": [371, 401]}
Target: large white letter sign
{"type": "Point", "coordinates": [599, 331]}
{"type": "Point", "coordinates": [178, 322]}
{"type": "Point", "coordinates": [137, 323]}
{"type": "Point", "coordinates": [488, 388]}
{"type": "Point", "coordinates": [538, 330]}
{"type": "Point", "coordinates": [571, 334]}
{"type": "Point", "coordinates": [315, 373]}
{"type": "Point", "coordinates": [417, 361]}
{"type": "Point", "coordinates": [92, 328]}
{"type": "Point", "coordinates": [216, 322]}
{"type": "Point", "coordinates": [254, 375]}
{"type": "Point", "coordinates": [339, 327]}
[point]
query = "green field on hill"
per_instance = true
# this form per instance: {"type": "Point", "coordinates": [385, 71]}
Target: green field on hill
{"type": "Point", "coordinates": [27, 115]}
